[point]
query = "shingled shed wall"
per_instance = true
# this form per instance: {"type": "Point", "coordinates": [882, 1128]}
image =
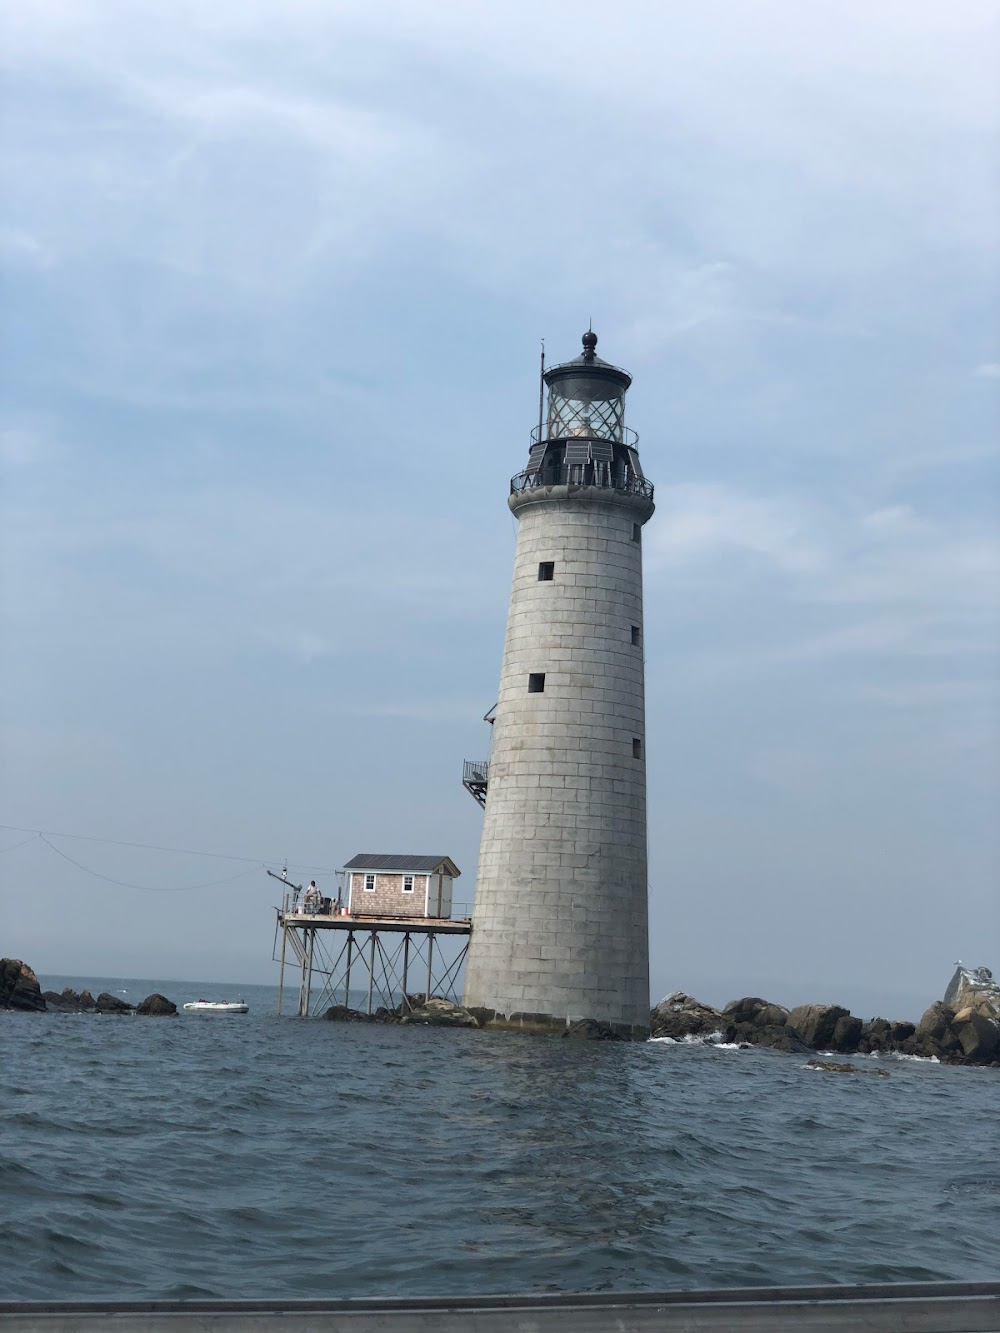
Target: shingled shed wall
{"type": "Point", "coordinates": [388, 898]}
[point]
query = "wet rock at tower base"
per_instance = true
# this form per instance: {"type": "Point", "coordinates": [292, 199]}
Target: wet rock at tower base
{"type": "Point", "coordinates": [589, 1029]}
{"type": "Point", "coordinates": [441, 1013]}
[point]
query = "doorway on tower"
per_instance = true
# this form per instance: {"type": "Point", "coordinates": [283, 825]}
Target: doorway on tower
{"type": "Point", "coordinates": [476, 772]}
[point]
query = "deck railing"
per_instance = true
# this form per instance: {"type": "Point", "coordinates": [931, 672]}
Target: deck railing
{"type": "Point", "coordinates": [293, 906]}
{"type": "Point", "coordinates": [600, 475]}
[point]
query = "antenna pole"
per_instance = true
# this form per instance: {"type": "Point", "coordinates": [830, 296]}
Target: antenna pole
{"type": "Point", "coordinates": [541, 393]}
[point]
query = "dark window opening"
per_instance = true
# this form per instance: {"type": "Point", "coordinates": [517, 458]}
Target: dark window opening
{"type": "Point", "coordinates": [636, 636]}
{"type": "Point", "coordinates": [636, 748]}
{"type": "Point", "coordinates": [636, 532]}
{"type": "Point", "coordinates": [536, 682]}
{"type": "Point", "coordinates": [546, 571]}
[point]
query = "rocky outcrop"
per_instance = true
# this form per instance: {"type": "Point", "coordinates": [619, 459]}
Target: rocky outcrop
{"type": "Point", "coordinates": [110, 1004]}
{"type": "Point", "coordinates": [963, 1028]}
{"type": "Point", "coordinates": [440, 1013]}
{"type": "Point", "coordinates": [816, 1023]}
{"type": "Point", "coordinates": [974, 988]}
{"type": "Point", "coordinates": [978, 1035]}
{"type": "Point", "coordinates": [157, 1006]}
{"type": "Point", "coordinates": [19, 988]}
{"type": "Point", "coordinates": [340, 1013]}
{"type": "Point", "coordinates": [69, 1001]}
{"type": "Point", "coordinates": [679, 1016]}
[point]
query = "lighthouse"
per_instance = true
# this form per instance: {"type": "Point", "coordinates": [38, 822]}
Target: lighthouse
{"type": "Point", "coordinates": [560, 922]}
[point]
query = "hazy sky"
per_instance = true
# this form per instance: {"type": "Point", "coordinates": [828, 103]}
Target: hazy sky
{"type": "Point", "coordinates": [274, 280]}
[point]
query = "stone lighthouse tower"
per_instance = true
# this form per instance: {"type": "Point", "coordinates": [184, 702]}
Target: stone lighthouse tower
{"type": "Point", "coordinates": [560, 920]}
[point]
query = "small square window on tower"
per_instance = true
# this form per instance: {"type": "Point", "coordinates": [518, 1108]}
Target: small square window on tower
{"type": "Point", "coordinates": [536, 682]}
{"type": "Point", "coordinates": [636, 748]}
{"type": "Point", "coordinates": [546, 571]}
{"type": "Point", "coordinates": [636, 637]}
{"type": "Point", "coordinates": [636, 532]}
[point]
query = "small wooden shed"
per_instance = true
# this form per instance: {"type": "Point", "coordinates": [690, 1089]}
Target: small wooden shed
{"type": "Point", "coordinates": [388, 885]}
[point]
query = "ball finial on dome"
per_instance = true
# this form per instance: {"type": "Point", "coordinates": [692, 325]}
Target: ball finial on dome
{"type": "Point", "coordinates": [589, 343]}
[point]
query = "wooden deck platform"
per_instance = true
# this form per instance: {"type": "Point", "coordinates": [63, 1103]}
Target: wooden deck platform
{"type": "Point", "coordinates": [420, 925]}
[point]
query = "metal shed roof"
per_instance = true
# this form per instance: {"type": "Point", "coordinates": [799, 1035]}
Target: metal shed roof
{"type": "Point", "coordinates": [389, 861]}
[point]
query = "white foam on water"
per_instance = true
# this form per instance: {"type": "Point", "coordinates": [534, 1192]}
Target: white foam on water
{"type": "Point", "coordinates": [903, 1055]}
{"type": "Point", "coordinates": [712, 1039]}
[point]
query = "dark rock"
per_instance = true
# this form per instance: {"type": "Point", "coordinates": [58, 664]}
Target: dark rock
{"type": "Point", "coordinates": [979, 1036]}
{"type": "Point", "coordinates": [482, 1014]}
{"type": "Point", "coordinates": [745, 1010]}
{"type": "Point", "coordinates": [846, 1033]}
{"type": "Point", "coordinates": [339, 1013]}
{"type": "Point", "coordinates": [754, 1010]}
{"type": "Point", "coordinates": [876, 1037]}
{"type": "Point", "coordinates": [815, 1023]}
{"type": "Point", "coordinates": [831, 1067]}
{"type": "Point", "coordinates": [441, 1013]}
{"type": "Point", "coordinates": [679, 1015]}
{"type": "Point", "coordinates": [780, 1039]}
{"type": "Point", "coordinates": [900, 1031]}
{"type": "Point", "coordinates": [589, 1029]}
{"type": "Point", "coordinates": [157, 1005]}
{"type": "Point", "coordinates": [772, 1016]}
{"type": "Point", "coordinates": [111, 1004]}
{"type": "Point", "coordinates": [935, 1024]}
{"type": "Point", "coordinates": [19, 988]}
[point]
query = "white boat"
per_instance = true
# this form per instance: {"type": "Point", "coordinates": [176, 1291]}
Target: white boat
{"type": "Point", "coordinates": [217, 1007]}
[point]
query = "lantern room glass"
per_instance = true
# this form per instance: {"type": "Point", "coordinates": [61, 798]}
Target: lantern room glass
{"type": "Point", "coordinates": [586, 406]}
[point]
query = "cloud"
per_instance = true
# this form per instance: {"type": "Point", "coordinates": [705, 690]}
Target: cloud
{"type": "Point", "coordinates": [989, 370]}
{"type": "Point", "coordinates": [18, 249]}
{"type": "Point", "coordinates": [703, 522]}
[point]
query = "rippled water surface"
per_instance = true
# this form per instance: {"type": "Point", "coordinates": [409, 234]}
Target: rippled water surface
{"type": "Point", "coordinates": [262, 1156]}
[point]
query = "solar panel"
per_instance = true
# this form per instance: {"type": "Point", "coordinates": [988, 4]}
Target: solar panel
{"type": "Point", "coordinates": [535, 456]}
{"type": "Point", "coordinates": [601, 451]}
{"type": "Point", "coordinates": [577, 451]}
{"type": "Point", "coordinates": [633, 459]}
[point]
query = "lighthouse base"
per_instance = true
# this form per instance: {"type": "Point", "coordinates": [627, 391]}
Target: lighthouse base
{"type": "Point", "coordinates": [552, 1025]}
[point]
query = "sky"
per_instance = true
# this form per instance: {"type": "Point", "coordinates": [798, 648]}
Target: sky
{"type": "Point", "coordinates": [274, 280]}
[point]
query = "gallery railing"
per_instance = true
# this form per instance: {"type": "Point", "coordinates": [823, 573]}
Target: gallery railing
{"type": "Point", "coordinates": [582, 474]}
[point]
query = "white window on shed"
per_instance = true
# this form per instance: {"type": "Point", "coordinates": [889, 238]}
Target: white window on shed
{"type": "Point", "coordinates": [369, 883]}
{"type": "Point", "coordinates": [407, 883]}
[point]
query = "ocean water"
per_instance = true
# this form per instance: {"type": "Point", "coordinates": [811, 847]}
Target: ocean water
{"type": "Point", "coordinates": [257, 1156]}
